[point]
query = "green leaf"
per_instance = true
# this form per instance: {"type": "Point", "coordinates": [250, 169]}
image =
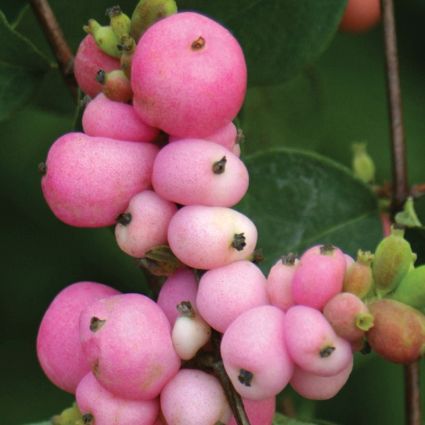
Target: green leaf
{"type": "Point", "coordinates": [21, 69]}
{"type": "Point", "coordinates": [279, 37]}
{"type": "Point", "coordinates": [280, 419]}
{"type": "Point", "coordinates": [42, 423]}
{"type": "Point", "coordinates": [14, 9]}
{"type": "Point", "coordinates": [299, 199]}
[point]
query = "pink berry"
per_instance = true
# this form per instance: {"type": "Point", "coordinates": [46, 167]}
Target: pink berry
{"type": "Point", "coordinates": [208, 237]}
{"type": "Point", "coordinates": [89, 59]}
{"type": "Point", "coordinates": [316, 387]}
{"type": "Point", "coordinates": [90, 180]}
{"type": "Point", "coordinates": [319, 276]}
{"type": "Point", "coordinates": [194, 397]}
{"type": "Point", "coordinates": [279, 282]}
{"type": "Point", "coordinates": [58, 340]}
{"type": "Point", "coordinates": [260, 412]}
{"type": "Point", "coordinates": [197, 172]}
{"type": "Point", "coordinates": [106, 118]}
{"type": "Point", "coordinates": [226, 292]}
{"type": "Point", "coordinates": [144, 224]}
{"type": "Point", "coordinates": [255, 355]}
{"type": "Point", "coordinates": [103, 408]}
{"type": "Point", "coordinates": [312, 343]}
{"type": "Point", "coordinates": [127, 341]}
{"type": "Point", "coordinates": [181, 286]}
{"type": "Point", "coordinates": [188, 76]}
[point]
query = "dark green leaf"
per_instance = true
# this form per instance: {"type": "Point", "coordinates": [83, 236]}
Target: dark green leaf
{"type": "Point", "coordinates": [279, 37]}
{"type": "Point", "coordinates": [298, 199]}
{"type": "Point", "coordinates": [42, 423]}
{"type": "Point", "coordinates": [13, 9]}
{"type": "Point", "coordinates": [280, 419]}
{"type": "Point", "coordinates": [21, 69]}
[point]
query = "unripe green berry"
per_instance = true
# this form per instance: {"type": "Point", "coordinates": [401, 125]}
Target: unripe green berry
{"type": "Point", "coordinates": [411, 289]}
{"type": "Point", "coordinates": [105, 38]}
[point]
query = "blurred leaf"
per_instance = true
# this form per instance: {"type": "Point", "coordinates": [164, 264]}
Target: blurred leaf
{"type": "Point", "coordinates": [298, 199]}
{"type": "Point", "coordinates": [13, 9]}
{"type": "Point", "coordinates": [279, 37]}
{"type": "Point", "coordinates": [41, 423]}
{"type": "Point", "coordinates": [280, 419]}
{"type": "Point", "coordinates": [21, 68]}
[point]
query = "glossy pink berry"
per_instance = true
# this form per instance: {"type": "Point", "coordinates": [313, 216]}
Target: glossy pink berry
{"type": "Point", "coordinates": [188, 75]}
{"type": "Point", "coordinates": [260, 412]}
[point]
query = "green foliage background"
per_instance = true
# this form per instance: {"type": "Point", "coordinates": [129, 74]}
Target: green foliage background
{"type": "Point", "coordinates": [323, 107]}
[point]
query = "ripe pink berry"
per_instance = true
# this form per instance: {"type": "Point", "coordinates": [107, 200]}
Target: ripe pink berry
{"type": "Point", "coordinates": [316, 387]}
{"type": "Point", "coordinates": [116, 120]}
{"type": "Point", "coordinates": [197, 172]}
{"type": "Point", "coordinates": [208, 237]}
{"type": "Point", "coordinates": [188, 75]}
{"type": "Point", "coordinates": [104, 408]}
{"type": "Point", "coordinates": [194, 397]}
{"type": "Point", "coordinates": [312, 343]}
{"type": "Point", "coordinates": [58, 341]}
{"type": "Point", "coordinates": [90, 180]}
{"type": "Point", "coordinates": [127, 341]}
{"type": "Point", "coordinates": [179, 287]}
{"type": "Point", "coordinates": [226, 292]}
{"type": "Point", "coordinates": [260, 412]}
{"type": "Point", "coordinates": [279, 282]}
{"type": "Point", "coordinates": [360, 15]}
{"type": "Point", "coordinates": [319, 276]}
{"type": "Point", "coordinates": [255, 355]}
{"type": "Point", "coordinates": [89, 59]}
{"type": "Point", "coordinates": [226, 136]}
{"type": "Point", "coordinates": [144, 224]}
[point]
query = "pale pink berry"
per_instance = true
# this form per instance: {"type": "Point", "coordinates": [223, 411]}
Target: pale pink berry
{"type": "Point", "coordinates": [188, 75]}
{"type": "Point", "coordinates": [58, 341]}
{"type": "Point", "coordinates": [255, 355]}
{"type": "Point", "coordinates": [144, 224]}
{"type": "Point", "coordinates": [208, 237]}
{"type": "Point", "coordinates": [316, 387]}
{"type": "Point", "coordinates": [106, 118]}
{"type": "Point", "coordinates": [226, 136]}
{"type": "Point", "coordinates": [179, 287]}
{"type": "Point", "coordinates": [279, 282]}
{"type": "Point", "coordinates": [104, 408]}
{"type": "Point", "coordinates": [348, 315]}
{"type": "Point", "coordinates": [260, 412]}
{"type": "Point", "coordinates": [312, 343]}
{"type": "Point", "coordinates": [194, 397]}
{"type": "Point", "coordinates": [319, 276]}
{"type": "Point", "coordinates": [89, 59]}
{"type": "Point", "coordinates": [127, 341]}
{"type": "Point", "coordinates": [90, 180]}
{"type": "Point", "coordinates": [197, 172]}
{"type": "Point", "coordinates": [226, 292]}
{"type": "Point", "coordinates": [190, 331]}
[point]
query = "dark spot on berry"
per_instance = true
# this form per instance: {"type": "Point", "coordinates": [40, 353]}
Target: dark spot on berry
{"type": "Point", "coordinates": [245, 377]}
{"type": "Point", "coordinates": [96, 324]}
{"type": "Point", "coordinates": [219, 166]}
{"type": "Point", "coordinates": [239, 241]}
{"type": "Point", "coordinates": [327, 351]}
{"type": "Point", "coordinates": [198, 44]}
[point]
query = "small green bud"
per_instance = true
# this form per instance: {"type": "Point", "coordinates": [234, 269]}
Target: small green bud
{"type": "Point", "coordinates": [119, 21]}
{"type": "Point", "coordinates": [127, 47]}
{"type": "Point", "coordinates": [393, 259]}
{"type": "Point", "coordinates": [147, 12]}
{"type": "Point", "coordinates": [411, 289]}
{"type": "Point", "coordinates": [358, 278]}
{"type": "Point", "coordinates": [105, 38]}
{"type": "Point", "coordinates": [408, 217]}
{"type": "Point", "coordinates": [363, 165]}
{"type": "Point", "coordinates": [69, 416]}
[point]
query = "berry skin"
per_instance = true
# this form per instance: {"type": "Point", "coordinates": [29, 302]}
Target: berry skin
{"type": "Point", "coordinates": [209, 237]}
{"type": "Point", "coordinates": [255, 355]}
{"type": "Point", "coordinates": [181, 286]}
{"type": "Point", "coordinates": [90, 180]}
{"type": "Point", "coordinates": [194, 397]}
{"type": "Point", "coordinates": [358, 277]}
{"type": "Point", "coordinates": [360, 15]}
{"type": "Point", "coordinates": [319, 276]}
{"type": "Point", "coordinates": [198, 172]}
{"type": "Point", "coordinates": [107, 409]}
{"type": "Point", "coordinates": [150, 216]}
{"type": "Point", "coordinates": [316, 387]}
{"type": "Point", "coordinates": [188, 76]}
{"type": "Point", "coordinates": [106, 118]}
{"type": "Point", "coordinates": [127, 341]}
{"type": "Point", "coordinates": [226, 292]}
{"type": "Point", "coordinates": [58, 340]}
{"type": "Point", "coordinates": [260, 412]}
{"type": "Point", "coordinates": [89, 59]}
{"type": "Point", "coordinates": [312, 343]}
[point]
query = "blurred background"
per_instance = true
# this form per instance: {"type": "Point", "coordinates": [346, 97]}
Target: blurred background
{"type": "Point", "coordinates": [338, 100]}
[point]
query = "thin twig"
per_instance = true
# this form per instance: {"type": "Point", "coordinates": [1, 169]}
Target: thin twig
{"type": "Point", "coordinates": [57, 42]}
{"type": "Point", "coordinates": [400, 184]}
{"type": "Point", "coordinates": [234, 399]}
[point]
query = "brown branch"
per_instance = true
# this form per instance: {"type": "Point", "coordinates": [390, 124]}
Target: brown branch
{"type": "Point", "coordinates": [400, 184]}
{"type": "Point", "coordinates": [57, 42]}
